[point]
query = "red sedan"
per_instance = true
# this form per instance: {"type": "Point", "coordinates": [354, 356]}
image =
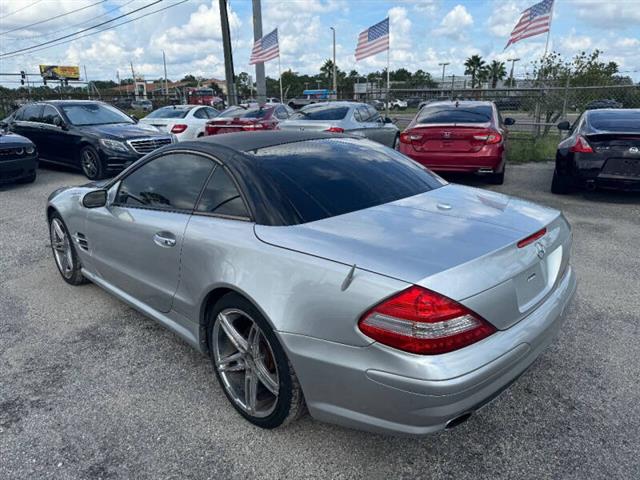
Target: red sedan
{"type": "Point", "coordinates": [458, 136]}
{"type": "Point", "coordinates": [241, 119]}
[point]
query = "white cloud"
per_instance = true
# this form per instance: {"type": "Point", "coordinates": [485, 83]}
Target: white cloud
{"type": "Point", "coordinates": [576, 43]}
{"type": "Point", "coordinates": [620, 15]}
{"type": "Point", "coordinates": [504, 17]}
{"type": "Point", "coordinates": [455, 23]}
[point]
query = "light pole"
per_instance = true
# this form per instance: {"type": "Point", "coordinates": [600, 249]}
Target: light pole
{"type": "Point", "coordinates": [513, 62]}
{"type": "Point", "coordinates": [444, 66]}
{"type": "Point", "coordinates": [335, 79]}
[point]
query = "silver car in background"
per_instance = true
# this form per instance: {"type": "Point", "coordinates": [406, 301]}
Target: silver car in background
{"type": "Point", "coordinates": [326, 270]}
{"type": "Point", "coordinates": [353, 118]}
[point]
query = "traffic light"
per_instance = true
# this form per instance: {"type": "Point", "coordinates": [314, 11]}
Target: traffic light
{"type": "Point", "coordinates": [23, 77]}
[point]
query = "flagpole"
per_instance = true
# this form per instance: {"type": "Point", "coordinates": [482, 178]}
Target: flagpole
{"type": "Point", "coordinates": [388, 87]}
{"type": "Point", "coordinates": [546, 45]}
{"type": "Point", "coordinates": [280, 74]}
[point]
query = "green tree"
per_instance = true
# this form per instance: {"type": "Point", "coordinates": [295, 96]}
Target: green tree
{"type": "Point", "coordinates": [474, 65]}
{"type": "Point", "coordinates": [496, 71]}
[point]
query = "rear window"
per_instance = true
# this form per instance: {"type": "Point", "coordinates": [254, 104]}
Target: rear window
{"type": "Point", "coordinates": [322, 113]}
{"type": "Point", "coordinates": [618, 121]}
{"type": "Point", "coordinates": [329, 177]}
{"type": "Point", "coordinates": [248, 113]}
{"type": "Point", "coordinates": [452, 114]}
{"type": "Point", "coordinates": [169, 112]}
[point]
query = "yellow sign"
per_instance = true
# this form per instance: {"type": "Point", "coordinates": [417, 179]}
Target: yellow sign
{"type": "Point", "coordinates": [58, 72]}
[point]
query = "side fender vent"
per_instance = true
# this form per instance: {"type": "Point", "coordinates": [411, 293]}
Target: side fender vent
{"type": "Point", "coordinates": [81, 240]}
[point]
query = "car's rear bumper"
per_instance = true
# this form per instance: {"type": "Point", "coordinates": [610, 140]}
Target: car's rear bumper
{"type": "Point", "coordinates": [12, 170]}
{"type": "Point", "coordinates": [600, 173]}
{"type": "Point", "coordinates": [486, 161]}
{"type": "Point", "coordinates": [381, 389]}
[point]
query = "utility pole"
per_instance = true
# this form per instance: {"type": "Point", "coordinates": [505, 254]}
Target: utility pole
{"type": "Point", "coordinates": [443, 65]}
{"type": "Point", "coordinates": [335, 79]}
{"type": "Point", "coordinates": [513, 61]}
{"type": "Point", "coordinates": [228, 56]}
{"type": "Point", "coordinates": [166, 83]}
{"type": "Point", "coordinates": [86, 79]}
{"type": "Point", "coordinates": [261, 83]}
{"type": "Point", "coordinates": [135, 86]}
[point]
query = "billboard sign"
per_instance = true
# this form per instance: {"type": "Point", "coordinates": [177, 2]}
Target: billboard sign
{"type": "Point", "coordinates": [59, 72]}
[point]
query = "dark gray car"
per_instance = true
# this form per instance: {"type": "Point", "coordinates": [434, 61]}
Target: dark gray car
{"type": "Point", "coordinates": [354, 118]}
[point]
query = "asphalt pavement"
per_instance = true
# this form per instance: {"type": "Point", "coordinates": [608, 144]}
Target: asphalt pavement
{"type": "Point", "coordinates": [89, 388]}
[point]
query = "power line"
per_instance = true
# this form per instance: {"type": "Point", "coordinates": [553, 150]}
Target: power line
{"type": "Point", "coordinates": [20, 9]}
{"type": "Point", "coordinates": [24, 27]}
{"type": "Point", "coordinates": [69, 27]}
{"type": "Point", "coordinates": [80, 31]}
{"type": "Point", "coordinates": [99, 31]}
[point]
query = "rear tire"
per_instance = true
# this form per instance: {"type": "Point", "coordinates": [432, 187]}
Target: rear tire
{"type": "Point", "coordinates": [561, 184]}
{"type": "Point", "coordinates": [496, 178]}
{"type": "Point", "coordinates": [396, 143]}
{"type": "Point", "coordinates": [245, 351]}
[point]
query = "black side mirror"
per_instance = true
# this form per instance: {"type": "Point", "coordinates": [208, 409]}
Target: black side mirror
{"type": "Point", "coordinates": [387, 120]}
{"type": "Point", "coordinates": [57, 121]}
{"type": "Point", "coordinates": [95, 199]}
{"type": "Point", "coordinates": [564, 125]}
{"type": "Point", "coordinates": [509, 121]}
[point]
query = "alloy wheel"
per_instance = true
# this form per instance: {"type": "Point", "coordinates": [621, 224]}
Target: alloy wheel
{"type": "Point", "coordinates": [61, 248]}
{"type": "Point", "coordinates": [245, 362]}
{"type": "Point", "coordinates": [89, 162]}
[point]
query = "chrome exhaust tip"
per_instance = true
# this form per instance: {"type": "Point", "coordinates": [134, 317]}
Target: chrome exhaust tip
{"type": "Point", "coordinates": [458, 420]}
{"type": "Point", "coordinates": [485, 170]}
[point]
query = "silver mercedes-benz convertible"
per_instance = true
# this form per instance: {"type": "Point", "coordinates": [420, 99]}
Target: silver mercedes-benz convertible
{"type": "Point", "coordinates": [323, 271]}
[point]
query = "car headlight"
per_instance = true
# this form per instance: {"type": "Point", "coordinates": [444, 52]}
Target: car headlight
{"type": "Point", "coordinates": [113, 145]}
{"type": "Point", "coordinates": [30, 150]}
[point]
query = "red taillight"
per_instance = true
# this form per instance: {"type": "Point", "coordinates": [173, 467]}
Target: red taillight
{"type": "Point", "coordinates": [335, 130]}
{"type": "Point", "coordinates": [253, 126]}
{"type": "Point", "coordinates": [420, 321]}
{"type": "Point", "coordinates": [581, 146]}
{"type": "Point", "coordinates": [408, 137]}
{"type": "Point", "coordinates": [490, 138]}
{"type": "Point", "coordinates": [532, 238]}
{"type": "Point", "coordinates": [178, 128]}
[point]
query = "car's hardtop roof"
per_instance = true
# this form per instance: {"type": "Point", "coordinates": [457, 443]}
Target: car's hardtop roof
{"type": "Point", "coordinates": [249, 141]}
{"type": "Point", "coordinates": [460, 103]}
{"type": "Point", "coordinates": [72, 102]}
{"type": "Point", "coordinates": [618, 111]}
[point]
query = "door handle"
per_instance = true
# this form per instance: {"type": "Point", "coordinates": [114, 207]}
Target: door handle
{"type": "Point", "coordinates": [164, 239]}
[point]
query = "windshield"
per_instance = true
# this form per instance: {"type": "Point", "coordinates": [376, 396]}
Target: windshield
{"type": "Point", "coordinates": [452, 114]}
{"type": "Point", "coordinates": [245, 113]}
{"type": "Point", "coordinates": [93, 114]}
{"type": "Point", "coordinates": [328, 177]}
{"type": "Point", "coordinates": [322, 113]}
{"type": "Point", "coordinates": [170, 112]}
{"type": "Point", "coordinates": [618, 121]}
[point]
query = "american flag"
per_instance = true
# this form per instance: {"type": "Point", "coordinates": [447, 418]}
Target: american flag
{"type": "Point", "coordinates": [265, 49]}
{"type": "Point", "coordinates": [534, 21]}
{"type": "Point", "coordinates": [373, 40]}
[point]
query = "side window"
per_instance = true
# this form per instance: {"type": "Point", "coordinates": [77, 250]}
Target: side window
{"type": "Point", "coordinates": [201, 113]}
{"type": "Point", "coordinates": [575, 124]}
{"type": "Point", "coordinates": [211, 112]}
{"type": "Point", "coordinates": [222, 197]}
{"type": "Point", "coordinates": [32, 113]}
{"type": "Point", "coordinates": [360, 114]}
{"type": "Point", "coordinates": [49, 114]}
{"type": "Point", "coordinates": [171, 182]}
{"type": "Point", "coordinates": [374, 115]}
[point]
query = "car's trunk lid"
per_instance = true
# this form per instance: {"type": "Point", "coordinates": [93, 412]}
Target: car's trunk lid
{"type": "Point", "coordinates": [306, 125]}
{"type": "Point", "coordinates": [456, 240]}
{"type": "Point", "coordinates": [620, 151]}
{"type": "Point", "coordinates": [454, 138]}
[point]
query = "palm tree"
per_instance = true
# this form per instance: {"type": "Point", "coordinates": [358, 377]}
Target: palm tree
{"type": "Point", "coordinates": [474, 66]}
{"type": "Point", "coordinates": [496, 71]}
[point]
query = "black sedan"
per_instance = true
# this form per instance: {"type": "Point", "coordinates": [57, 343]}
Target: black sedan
{"type": "Point", "coordinates": [93, 136]}
{"type": "Point", "coordinates": [18, 158]}
{"type": "Point", "coordinates": [602, 150]}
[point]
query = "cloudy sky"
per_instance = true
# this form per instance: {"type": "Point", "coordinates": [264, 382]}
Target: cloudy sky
{"type": "Point", "coordinates": [423, 33]}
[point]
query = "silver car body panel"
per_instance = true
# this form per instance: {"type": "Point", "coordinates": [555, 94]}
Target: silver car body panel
{"type": "Point", "coordinates": [294, 276]}
{"type": "Point", "coordinates": [378, 131]}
